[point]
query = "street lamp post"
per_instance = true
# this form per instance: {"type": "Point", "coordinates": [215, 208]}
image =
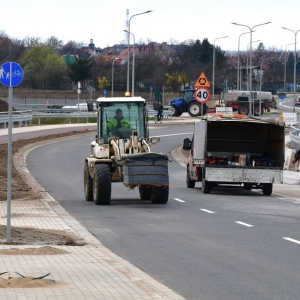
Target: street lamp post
{"type": "Point", "coordinates": [133, 61]}
{"type": "Point", "coordinates": [238, 85]}
{"type": "Point", "coordinates": [112, 76]}
{"type": "Point", "coordinates": [128, 38]}
{"type": "Point", "coordinates": [248, 82]}
{"type": "Point", "coordinates": [295, 58]}
{"type": "Point", "coordinates": [250, 30]}
{"type": "Point", "coordinates": [214, 55]}
{"type": "Point", "coordinates": [285, 60]}
{"type": "Point", "coordinates": [260, 81]}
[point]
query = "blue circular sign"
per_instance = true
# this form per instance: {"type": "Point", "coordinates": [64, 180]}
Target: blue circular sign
{"type": "Point", "coordinates": [11, 74]}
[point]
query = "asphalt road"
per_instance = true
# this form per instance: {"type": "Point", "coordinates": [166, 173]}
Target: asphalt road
{"type": "Point", "coordinates": [230, 244]}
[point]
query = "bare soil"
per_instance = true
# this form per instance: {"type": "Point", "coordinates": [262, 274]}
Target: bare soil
{"type": "Point", "coordinates": [20, 190]}
{"type": "Point", "coordinates": [15, 281]}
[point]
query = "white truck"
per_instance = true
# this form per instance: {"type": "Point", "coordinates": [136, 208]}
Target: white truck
{"type": "Point", "coordinates": [248, 152]}
{"type": "Point", "coordinates": [239, 101]}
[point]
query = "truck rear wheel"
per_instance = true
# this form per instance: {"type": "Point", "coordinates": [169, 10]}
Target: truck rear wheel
{"type": "Point", "coordinates": [189, 183]}
{"type": "Point", "coordinates": [145, 193]}
{"type": "Point", "coordinates": [194, 109]}
{"type": "Point", "coordinates": [159, 194]}
{"type": "Point", "coordinates": [243, 110]}
{"type": "Point", "coordinates": [267, 189]}
{"type": "Point", "coordinates": [176, 111]}
{"type": "Point", "coordinates": [102, 185]}
{"type": "Point", "coordinates": [88, 183]}
{"type": "Point", "coordinates": [206, 186]}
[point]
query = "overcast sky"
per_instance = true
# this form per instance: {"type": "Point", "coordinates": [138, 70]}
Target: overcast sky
{"type": "Point", "coordinates": [170, 20]}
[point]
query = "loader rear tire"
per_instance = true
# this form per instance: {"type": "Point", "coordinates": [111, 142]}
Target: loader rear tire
{"type": "Point", "coordinates": [102, 185]}
{"type": "Point", "coordinates": [145, 193]}
{"type": "Point", "coordinates": [159, 194]}
{"type": "Point", "coordinates": [88, 183]}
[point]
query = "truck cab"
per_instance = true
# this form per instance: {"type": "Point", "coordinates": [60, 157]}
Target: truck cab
{"type": "Point", "coordinates": [187, 103]}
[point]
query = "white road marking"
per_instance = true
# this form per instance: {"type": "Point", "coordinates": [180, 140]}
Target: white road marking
{"type": "Point", "coordinates": [244, 224]}
{"type": "Point", "coordinates": [208, 211]}
{"type": "Point", "coordinates": [179, 200]}
{"type": "Point", "coordinates": [287, 198]}
{"type": "Point", "coordinates": [291, 240]}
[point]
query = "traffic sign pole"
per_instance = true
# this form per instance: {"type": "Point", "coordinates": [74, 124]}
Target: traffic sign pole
{"type": "Point", "coordinates": [11, 75]}
{"type": "Point", "coordinates": [9, 165]}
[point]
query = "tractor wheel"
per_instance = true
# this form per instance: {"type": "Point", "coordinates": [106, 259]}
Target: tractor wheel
{"type": "Point", "coordinates": [159, 194]}
{"type": "Point", "coordinates": [243, 110]}
{"type": "Point", "coordinates": [189, 183]}
{"type": "Point", "coordinates": [206, 186]}
{"type": "Point", "coordinates": [145, 193]}
{"type": "Point", "coordinates": [267, 189]}
{"type": "Point", "coordinates": [194, 109]}
{"type": "Point", "coordinates": [176, 112]}
{"type": "Point", "coordinates": [102, 185]}
{"type": "Point", "coordinates": [88, 183]}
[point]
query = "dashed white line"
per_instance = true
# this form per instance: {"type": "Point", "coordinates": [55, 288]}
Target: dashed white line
{"type": "Point", "coordinates": [208, 211]}
{"type": "Point", "coordinates": [179, 200]}
{"type": "Point", "coordinates": [244, 224]}
{"type": "Point", "coordinates": [291, 240]}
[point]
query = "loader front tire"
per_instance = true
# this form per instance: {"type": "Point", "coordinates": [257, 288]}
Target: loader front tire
{"type": "Point", "coordinates": [88, 183]}
{"type": "Point", "coordinates": [159, 194]}
{"type": "Point", "coordinates": [145, 193]}
{"type": "Point", "coordinates": [102, 184]}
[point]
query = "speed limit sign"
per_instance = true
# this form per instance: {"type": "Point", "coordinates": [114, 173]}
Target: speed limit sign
{"type": "Point", "coordinates": [202, 94]}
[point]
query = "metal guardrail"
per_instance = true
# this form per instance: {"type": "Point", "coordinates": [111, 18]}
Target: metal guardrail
{"type": "Point", "coordinates": [27, 116]}
{"type": "Point", "coordinates": [167, 114]}
{"type": "Point", "coordinates": [17, 116]}
{"type": "Point", "coordinates": [65, 115]}
{"type": "Point", "coordinates": [295, 135]}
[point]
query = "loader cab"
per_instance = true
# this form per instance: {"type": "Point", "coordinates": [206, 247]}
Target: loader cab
{"type": "Point", "coordinates": [120, 116]}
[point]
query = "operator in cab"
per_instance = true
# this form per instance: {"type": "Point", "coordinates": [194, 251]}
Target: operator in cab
{"type": "Point", "coordinates": [118, 121]}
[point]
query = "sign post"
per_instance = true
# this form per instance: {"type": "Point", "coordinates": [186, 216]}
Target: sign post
{"type": "Point", "coordinates": [11, 75]}
{"type": "Point", "coordinates": [78, 92]}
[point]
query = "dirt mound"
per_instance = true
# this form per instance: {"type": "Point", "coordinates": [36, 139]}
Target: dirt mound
{"type": "Point", "coordinates": [3, 105]}
{"type": "Point", "coordinates": [27, 282]}
{"type": "Point", "coordinates": [23, 235]}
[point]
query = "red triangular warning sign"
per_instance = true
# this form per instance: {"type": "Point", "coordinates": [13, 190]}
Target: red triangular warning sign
{"type": "Point", "coordinates": [202, 81]}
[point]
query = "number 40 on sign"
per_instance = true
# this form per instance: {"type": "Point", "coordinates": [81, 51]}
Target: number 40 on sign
{"type": "Point", "coordinates": [202, 95]}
